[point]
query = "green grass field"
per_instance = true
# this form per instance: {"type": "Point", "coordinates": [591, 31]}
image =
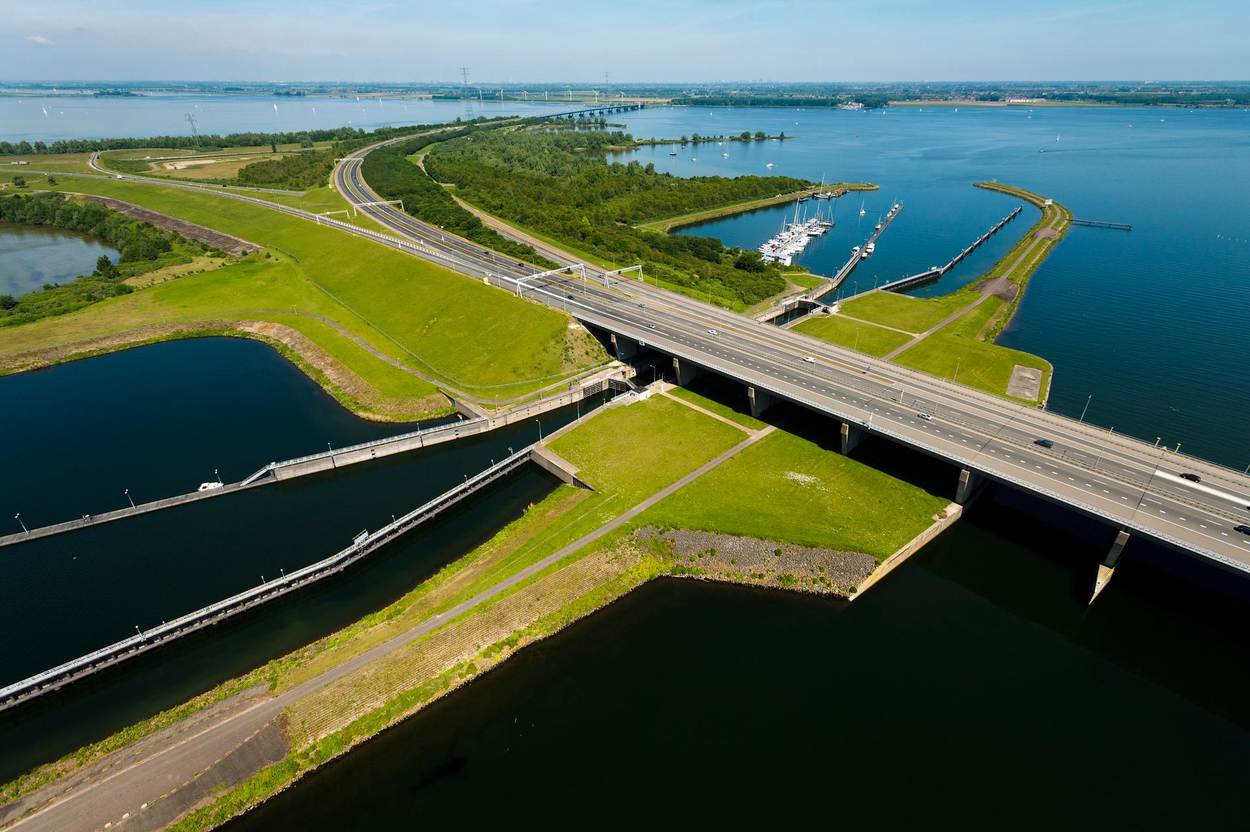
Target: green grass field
{"type": "Point", "coordinates": [787, 488]}
{"type": "Point", "coordinates": [473, 337]}
{"type": "Point", "coordinates": [739, 416]}
{"type": "Point", "coordinates": [906, 312]}
{"type": "Point", "coordinates": [856, 335]}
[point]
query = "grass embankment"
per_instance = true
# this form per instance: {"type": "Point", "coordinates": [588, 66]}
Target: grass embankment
{"type": "Point", "coordinates": [664, 226]}
{"type": "Point", "coordinates": [964, 348]}
{"type": "Point", "coordinates": [414, 312]}
{"type": "Point", "coordinates": [627, 454]}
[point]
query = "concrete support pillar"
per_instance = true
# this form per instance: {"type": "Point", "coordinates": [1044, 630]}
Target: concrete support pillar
{"type": "Point", "coordinates": [1107, 568]}
{"type": "Point", "coordinates": [624, 348]}
{"type": "Point", "coordinates": [851, 435]}
{"type": "Point", "coordinates": [684, 372]}
{"type": "Point", "coordinates": [968, 483]}
{"type": "Point", "coordinates": [760, 401]}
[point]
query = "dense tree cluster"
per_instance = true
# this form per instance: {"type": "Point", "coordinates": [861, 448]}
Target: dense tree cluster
{"type": "Point", "coordinates": [297, 171]}
{"type": "Point", "coordinates": [388, 171]}
{"type": "Point", "coordinates": [142, 248]}
{"type": "Point", "coordinates": [560, 184]}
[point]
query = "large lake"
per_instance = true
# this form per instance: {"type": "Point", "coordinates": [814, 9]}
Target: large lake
{"type": "Point", "coordinates": [48, 118]}
{"type": "Point", "coordinates": [1155, 323]}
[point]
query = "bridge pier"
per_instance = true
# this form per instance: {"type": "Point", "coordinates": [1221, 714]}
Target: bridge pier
{"type": "Point", "coordinates": [624, 348]}
{"type": "Point", "coordinates": [1107, 568]}
{"type": "Point", "coordinates": [684, 373]}
{"type": "Point", "coordinates": [760, 401]}
{"type": "Point", "coordinates": [850, 438]}
{"type": "Point", "coordinates": [969, 483]}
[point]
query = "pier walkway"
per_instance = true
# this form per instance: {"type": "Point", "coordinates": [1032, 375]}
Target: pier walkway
{"type": "Point", "coordinates": [617, 378]}
{"type": "Point", "coordinates": [145, 640]}
{"type": "Point", "coordinates": [932, 274]}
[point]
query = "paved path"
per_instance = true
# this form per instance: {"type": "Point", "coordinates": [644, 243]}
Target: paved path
{"type": "Point", "coordinates": [94, 802]}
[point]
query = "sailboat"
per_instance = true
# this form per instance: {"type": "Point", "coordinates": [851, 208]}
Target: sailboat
{"type": "Point", "coordinates": [861, 208]}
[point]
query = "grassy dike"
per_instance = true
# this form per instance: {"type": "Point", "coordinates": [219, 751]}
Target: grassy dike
{"type": "Point", "coordinates": [664, 226]}
{"type": "Point", "coordinates": [886, 324]}
{"type": "Point", "coordinates": [316, 289]}
{"type": "Point", "coordinates": [776, 485]}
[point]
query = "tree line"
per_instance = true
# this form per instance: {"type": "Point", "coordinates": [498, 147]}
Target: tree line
{"type": "Point", "coordinates": [560, 184]}
{"type": "Point", "coordinates": [388, 171]}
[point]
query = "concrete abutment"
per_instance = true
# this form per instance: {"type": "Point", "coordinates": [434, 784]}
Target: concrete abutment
{"type": "Point", "coordinates": [850, 438]}
{"type": "Point", "coordinates": [684, 372]}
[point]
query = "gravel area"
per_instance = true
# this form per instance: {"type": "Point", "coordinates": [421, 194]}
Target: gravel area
{"type": "Point", "coordinates": [762, 562]}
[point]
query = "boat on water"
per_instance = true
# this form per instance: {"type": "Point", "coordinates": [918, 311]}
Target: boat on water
{"type": "Point", "coordinates": [861, 208]}
{"type": "Point", "coordinates": [868, 250]}
{"type": "Point", "coordinates": [672, 153]}
{"type": "Point", "coordinates": [769, 166]}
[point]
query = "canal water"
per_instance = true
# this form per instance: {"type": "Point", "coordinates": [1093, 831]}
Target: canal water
{"type": "Point", "coordinates": [1152, 322]}
{"type": "Point", "coordinates": [974, 686]}
{"type": "Point", "coordinates": [69, 431]}
{"type": "Point", "coordinates": [48, 118]}
{"type": "Point", "coordinates": [33, 256]}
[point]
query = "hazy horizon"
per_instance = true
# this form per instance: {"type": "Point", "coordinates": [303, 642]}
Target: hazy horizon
{"type": "Point", "coordinates": [552, 41]}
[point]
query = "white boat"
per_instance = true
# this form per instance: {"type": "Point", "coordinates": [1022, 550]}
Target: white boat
{"type": "Point", "coordinates": [769, 166]}
{"type": "Point", "coordinates": [861, 208]}
{"type": "Point", "coordinates": [869, 249]}
{"type": "Point", "coordinates": [724, 155]}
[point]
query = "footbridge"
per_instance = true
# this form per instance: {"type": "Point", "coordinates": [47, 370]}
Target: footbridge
{"type": "Point", "coordinates": [361, 546]}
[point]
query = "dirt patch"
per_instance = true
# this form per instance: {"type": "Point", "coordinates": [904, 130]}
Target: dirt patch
{"type": "Point", "coordinates": [749, 560]}
{"type": "Point", "coordinates": [231, 245]}
{"type": "Point", "coordinates": [1000, 287]}
{"type": "Point", "coordinates": [1026, 383]}
{"type": "Point", "coordinates": [1046, 233]}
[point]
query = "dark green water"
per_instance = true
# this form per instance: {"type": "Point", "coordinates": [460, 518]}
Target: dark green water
{"type": "Point", "coordinates": [67, 595]}
{"type": "Point", "coordinates": [971, 688]}
{"type": "Point", "coordinates": [32, 256]}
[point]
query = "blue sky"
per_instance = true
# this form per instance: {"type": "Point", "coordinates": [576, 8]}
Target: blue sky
{"type": "Point", "coordinates": [639, 40]}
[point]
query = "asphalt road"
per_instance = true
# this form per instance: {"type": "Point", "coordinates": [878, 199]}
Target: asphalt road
{"type": "Point", "coordinates": [1125, 481]}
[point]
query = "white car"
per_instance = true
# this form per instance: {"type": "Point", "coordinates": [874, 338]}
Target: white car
{"type": "Point", "coordinates": [712, 332]}
{"type": "Point", "coordinates": [925, 416]}
{"type": "Point", "coordinates": [809, 359]}
{"type": "Point", "coordinates": [210, 486]}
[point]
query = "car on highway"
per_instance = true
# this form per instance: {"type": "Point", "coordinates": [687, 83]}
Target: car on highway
{"type": "Point", "coordinates": [1190, 477]}
{"type": "Point", "coordinates": [1243, 528]}
{"type": "Point", "coordinates": [1045, 443]}
{"type": "Point", "coordinates": [926, 416]}
{"type": "Point", "coordinates": [570, 297]}
{"type": "Point", "coordinates": [712, 332]}
{"type": "Point", "coordinates": [809, 359]}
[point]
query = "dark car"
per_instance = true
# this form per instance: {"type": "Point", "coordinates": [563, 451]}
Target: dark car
{"type": "Point", "coordinates": [1045, 443]}
{"type": "Point", "coordinates": [1244, 529]}
{"type": "Point", "coordinates": [1191, 477]}
{"type": "Point", "coordinates": [570, 297]}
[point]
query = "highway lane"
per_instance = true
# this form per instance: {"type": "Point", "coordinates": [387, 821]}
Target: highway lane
{"type": "Point", "coordinates": [1110, 476]}
{"type": "Point", "coordinates": [1086, 462]}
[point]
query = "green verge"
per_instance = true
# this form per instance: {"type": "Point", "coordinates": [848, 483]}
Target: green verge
{"type": "Point", "coordinates": [787, 488]}
{"type": "Point", "coordinates": [905, 311]}
{"type": "Point", "coordinates": [411, 310]}
{"type": "Point", "coordinates": [719, 408]}
{"type": "Point", "coordinates": [857, 335]}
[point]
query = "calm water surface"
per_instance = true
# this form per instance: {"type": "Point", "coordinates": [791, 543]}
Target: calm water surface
{"type": "Point", "coordinates": [1152, 322]}
{"type": "Point", "coordinates": [972, 686]}
{"type": "Point", "coordinates": [63, 117]}
{"type": "Point", "coordinates": [32, 256]}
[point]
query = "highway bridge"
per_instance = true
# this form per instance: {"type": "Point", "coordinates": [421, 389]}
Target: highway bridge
{"type": "Point", "coordinates": [1131, 485]}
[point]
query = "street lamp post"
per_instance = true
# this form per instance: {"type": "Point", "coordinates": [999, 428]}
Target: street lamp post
{"type": "Point", "coordinates": [18, 518]}
{"type": "Point", "coordinates": [1086, 407]}
{"type": "Point", "coordinates": [131, 499]}
{"type": "Point", "coordinates": [540, 429]}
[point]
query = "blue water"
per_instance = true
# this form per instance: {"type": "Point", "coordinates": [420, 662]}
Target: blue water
{"type": "Point", "coordinates": [67, 117]}
{"type": "Point", "coordinates": [1153, 322]}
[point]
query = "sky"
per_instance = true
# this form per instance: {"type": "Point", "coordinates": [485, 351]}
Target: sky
{"type": "Point", "coordinates": [636, 41]}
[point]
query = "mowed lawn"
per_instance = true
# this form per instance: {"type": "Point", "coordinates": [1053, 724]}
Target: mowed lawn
{"type": "Point", "coordinates": [466, 334]}
{"type": "Point", "coordinates": [857, 335]}
{"type": "Point", "coordinates": [787, 488]}
{"type": "Point", "coordinates": [906, 312]}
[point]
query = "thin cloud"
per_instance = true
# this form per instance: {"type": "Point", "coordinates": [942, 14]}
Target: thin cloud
{"type": "Point", "coordinates": [40, 40]}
